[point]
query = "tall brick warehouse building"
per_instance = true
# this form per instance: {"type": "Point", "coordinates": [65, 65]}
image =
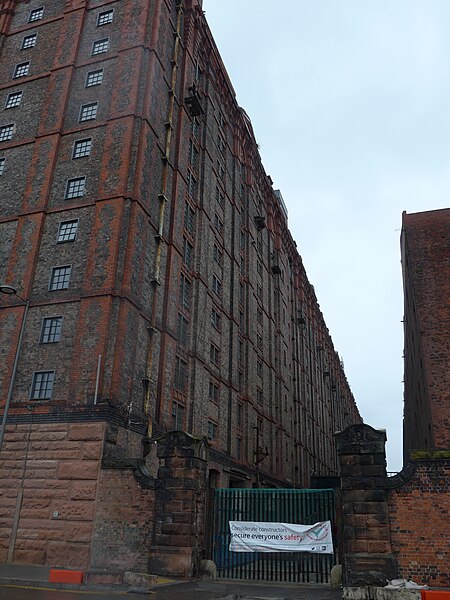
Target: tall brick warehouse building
{"type": "Point", "coordinates": [165, 290]}
{"type": "Point", "coordinates": [425, 244]}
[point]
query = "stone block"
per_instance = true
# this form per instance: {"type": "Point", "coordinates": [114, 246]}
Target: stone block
{"type": "Point", "coordinates": [86, 432]}
{"type": "Point", "coordinates": [80, 469]}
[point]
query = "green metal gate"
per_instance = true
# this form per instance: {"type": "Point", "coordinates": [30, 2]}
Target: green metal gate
{"type": "Point", "coordinates": [271, 505]}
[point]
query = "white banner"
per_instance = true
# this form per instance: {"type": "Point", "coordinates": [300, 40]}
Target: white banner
{"type": "Point", "coordinates": [248, 536]}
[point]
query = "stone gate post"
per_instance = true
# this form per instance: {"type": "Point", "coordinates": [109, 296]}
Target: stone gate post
{"type": "Point", "coordinates": [180, 500]}
{"type": "Point", "coordinates": [367, 558]}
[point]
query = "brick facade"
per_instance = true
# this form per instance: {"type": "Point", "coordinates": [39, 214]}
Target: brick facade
{"type": "Point", "coordinates": [187, 301]}
{"type": "Point", "coordinates": [419, 516]}
{"type": "Point", "coordinates": [426, 277]}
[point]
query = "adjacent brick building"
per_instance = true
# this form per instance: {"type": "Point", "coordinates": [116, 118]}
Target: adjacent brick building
{"type": "Point", "coordinates": [166, 291]}
{"type": "Point", "coordinates": [425, 244]}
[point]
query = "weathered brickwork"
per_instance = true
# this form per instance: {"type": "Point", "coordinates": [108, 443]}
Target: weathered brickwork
{"type": "Point", "coordinates": [426, 276]}
{"type": "Point", "coordinates": [419, 516]}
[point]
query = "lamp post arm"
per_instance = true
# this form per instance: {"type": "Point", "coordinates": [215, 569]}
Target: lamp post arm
{"type": "Point", "coordinates": [13, 374]}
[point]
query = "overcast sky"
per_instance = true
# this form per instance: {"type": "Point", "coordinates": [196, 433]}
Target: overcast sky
{"type": "Point", "coordinates": [349, 101]}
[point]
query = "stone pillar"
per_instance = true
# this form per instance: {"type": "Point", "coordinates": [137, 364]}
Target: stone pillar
{"type": "Point", "coordinates": [180, 501]}
{"type": "Point", "coordinates": [368, 558]}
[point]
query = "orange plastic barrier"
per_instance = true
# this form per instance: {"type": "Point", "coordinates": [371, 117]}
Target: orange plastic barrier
{"type": "Point", "coordinates": [433, 595]}
{"type": "Point", "coordinates": [65, 576]}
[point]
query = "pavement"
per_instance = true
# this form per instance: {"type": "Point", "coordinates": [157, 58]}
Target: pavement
{"type": "Point", "coordinates": [23, 582]}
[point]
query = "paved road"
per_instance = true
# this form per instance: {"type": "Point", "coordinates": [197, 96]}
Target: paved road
{"type": "Point", "coordinates": [184, 591]}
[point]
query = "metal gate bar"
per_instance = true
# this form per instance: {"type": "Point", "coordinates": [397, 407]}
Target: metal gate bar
{"type": "Point", "coordinates": [279, 506]}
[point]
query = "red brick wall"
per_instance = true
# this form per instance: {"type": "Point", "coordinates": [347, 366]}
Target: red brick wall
{"type": "Point", "coordinates": [420, 522]}
{"type": "Point", "coordinates": [48, 485]}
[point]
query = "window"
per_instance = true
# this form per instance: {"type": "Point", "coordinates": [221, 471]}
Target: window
{"type": "Point", "coordinates": [21, 70]}
{"type": "Point", "coordinates": [193, 156]}
{"type": "Point", "coordinates": [6, 132]}
{"type": "Point", "coordinates": [192, 185]}
{"type": "Point", "coordinates": [180, 378]}
{"type": "Point", "coordinates": [217, 254]}
{"type": "Point", "coordinates": [259, 291]}
{"type": "Point", "coordinates": [82, 148]}
{"type": "Point", "coordinates": [100, 46]}
{"type": "Point", "coordinates": [178, 411]}
{"type": "Point", "coordinates": [189, 215]}
{"type": "Point", "coordinates": [36, 14]}
{"type": "Point", "coordinates": [259, 315]}
{"type": "Point", "coordinates": [239, 415]}
{"type": "Point", "coordinates": [188, 250]}
{"type": "Point", "coordinates": [218, 224]}
{"type": "Point", "coordinates": [215, 318]}
{"type": "Point", "coordinates": [185, 291]}
{"type": "Point", "coordinates": [182, 330]}
{"type": "Point", "coordinates": [75, 187]}
{"type": "Point", "coordinates": [67, 231]}
{"type": "Point", "coordinates": [88, 112]}
{"type": "Point", "coordinates": [214, 354]}
{"type": "Point", "coordinates": [259, 368]}
{"type": "Point", "coordinates": [42, 386]}
{"type": "Point", "coordinates": [105, 17]}
{"type": "Point", "coordinates": [216, 285]}
{"type": "Point", "coordinates": [259, 340]}
{"type": "Point", "coordinates": [259, 267]}
{"type": "Point", "coordinates": [51, 330]}
{"type": "Point", "coordinates": [94, 78]}
{"type": "Point", "coordinates": [13, 100]}
{"type": "Point", "coordinates": [220, 197]}
{"type": "Point", "coordinates": [259, 396]}
{"type": "Point", "coordinates": [212, 430]}
{"type": "Point", "coordinates": [213, 391]}
{"type": "Point", "coordinates": [221, 144]}
{"type": "Point", "coordinates": [29, 41]}
{"type": "Point", "coordinates": [2, 165]}
{"type": "Point", "coordinates": [238, 447]}
{"type": "Point", "coordinates": [60, 278]}
{"type": "Point", "coordinates": [220, 170]}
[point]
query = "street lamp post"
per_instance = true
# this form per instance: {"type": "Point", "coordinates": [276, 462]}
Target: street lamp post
{"type": "Point", "coordinates": [10, 291]}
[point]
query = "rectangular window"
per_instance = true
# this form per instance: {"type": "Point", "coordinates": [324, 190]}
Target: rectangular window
{"type": "Point", "coordinates": [60, 278]}
{"type": "Point", "coordinates": [221, 144]}
{"type": "Point", "coordinates": [259, 267]}
{"type": "Point", "coordinates": [88, 112]}
{"type": "Point", "coordinates": [213, 391]}
{"type": "Point", "coordinates": [189, 215]}
{"type": "Point", "coordinates": [259, 396]}
{"type": "Point", "coordinates": [220, 197]}
{"type": "Point", "coordinates": [75, 187]}
{"type": "Point", "coordinates": [13, 100]}
{"type": "Point", "coordinates": [259, 291]}
{"type": "Point", "coordinates": [217, 254]}
{"type": "Point", "coordinates": [94, 78]}
{"type": "Point", "coordinates": [192, 185]}
{"type": "Point", "coordinates": [6, 132]}
{"type": "Point", "coordinates": [215, 318]}
{"type": "Point", "coordinates": [218, 224]}
{"type": "Point", "coordinates": [214, 355]}
{"type": "Point", "coordinates": [220, 170]}
{"type": "Point", "coordinates": [185, 291]}
{"type": "Point", "coordinates": [21, 70]}
{"type": "Point", "coordinates": [36, 14]}
{"type": "Point", "coordinates": [100, 46]}
{"type": "Point", "coordinates": [51, 330]}
{"type": "Point", "coordinates": [259, 340]}
{"type": "Point", "coordinates": [2, 165]}
{"type": "Point", "coordinates": [29, 41]}
{"type": "Point", "coordinates": [67, 231]}
{"type": "Point", "coordinates": [212, 430]}
{"type": "Point", "coordinates": [82, 148]}
{"type": "Point", "coordinates": [259, 315]}
{"type": "Point", "coordinates": [239, 415]}
{"type": "Point", "coordinates": [180, 378]}
{"type": "Point", "coordinates": [42, 385]}
{"type": "Point", "coordinates": [188, 250]}
{"type": "Point", "coordinates": [105, 17]}
{"type": "Point", "coordinates": [216, 285]}
{"type": "Point", "coordinates": [193, 156]}
{"type": "Point", "coordinates": [238, 447]}
{"type": "Point", "coordinates": [182, 331]}
{"type": "Point", "coordinates": [259, 368]}
{"type": "Point", "coordinates": [178, 411]}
